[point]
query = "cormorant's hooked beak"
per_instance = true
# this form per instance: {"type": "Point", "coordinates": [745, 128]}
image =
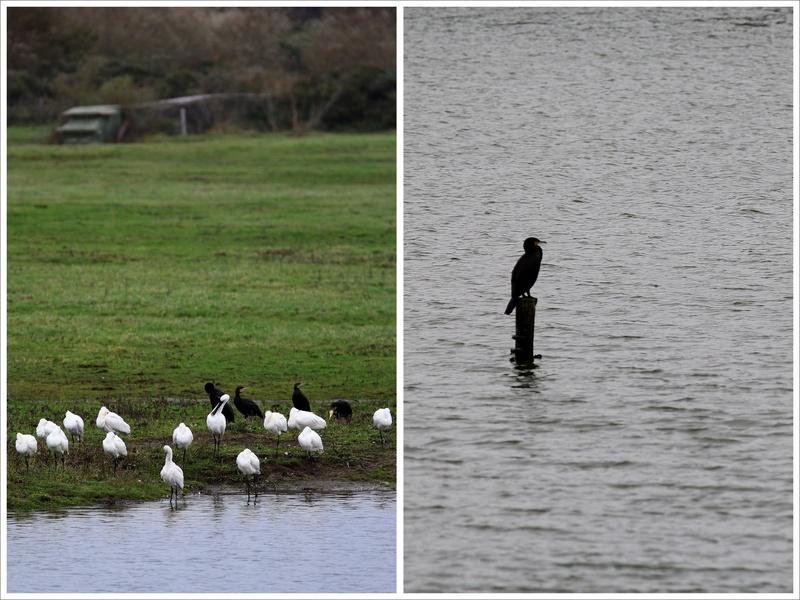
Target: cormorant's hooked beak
{"type": "Point", "coordinates": [538, 242]}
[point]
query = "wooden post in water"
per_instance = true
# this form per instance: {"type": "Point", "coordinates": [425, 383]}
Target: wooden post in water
{"type": "Point", "coordinates": [526, 317]}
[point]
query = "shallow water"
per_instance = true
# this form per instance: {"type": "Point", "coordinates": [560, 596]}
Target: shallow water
{"type": "Point", "coordinates": [650, 449]}
{"type": "Point", "coordinates": [284, 543]}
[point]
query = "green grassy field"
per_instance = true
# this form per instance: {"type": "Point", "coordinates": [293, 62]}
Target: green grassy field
{"type": "Point", "coordinates": [138, 272]}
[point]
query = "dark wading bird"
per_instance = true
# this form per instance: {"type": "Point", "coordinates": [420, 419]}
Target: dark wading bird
{"type": "Point", "coordinates": [525, 271]}
{"type": "Point", "coordinates": [299, 400]}
{"type": "Point", "coordinates": [246, 406]}
{"type": "Point", "coordinates": [341, 409]}
{"type": "Point", "coordinates": [214, 394]}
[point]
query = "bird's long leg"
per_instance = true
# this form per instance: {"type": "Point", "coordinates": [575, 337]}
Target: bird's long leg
{"type": "Point", "coordinates": [255, 486]}
{"type": "Point", "coordinates": [381, 432]}
{"type": "Point", "coordinates": [27, 467]}
{"type": "Point", "coordinates": [276, 444]}
{"type": "Point", "coordinates": [247, 481]}
{"type": "Point", "coordinates": [184, 455]}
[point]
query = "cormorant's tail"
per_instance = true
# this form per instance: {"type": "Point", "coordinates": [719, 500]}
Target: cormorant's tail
{"type": "Point", "coordinates": [511, 304]}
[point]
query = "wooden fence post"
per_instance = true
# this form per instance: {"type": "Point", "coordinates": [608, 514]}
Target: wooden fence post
{"type": "Point", "coordinates": [526, 318]}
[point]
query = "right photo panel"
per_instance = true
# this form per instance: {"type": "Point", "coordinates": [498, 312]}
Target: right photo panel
{"type": "Point", "coordinates": [598, 299]}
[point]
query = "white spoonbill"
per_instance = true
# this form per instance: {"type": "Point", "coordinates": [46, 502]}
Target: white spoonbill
{"type": "Point", "coordinates": [182, 438]}
{"type": "Point", "coordinates": [45, 428]}
{"type": "Point", "coordinates": [172, 475]}
{"type": "Point", "coordinates": [111, 421]}
{"type": "Point", "coordinates": [216, 422]}
{"type": "Point", "coordinates": [114, 447]}
{"type": "Point", "coordinates": [248, 464]}
{"type": "Point", "coordinates": [27, 446]}
{"type": "Point", "coordinates": [300, 419]}
{"type": "Point", "coordinates": [275, 422]}
{"type": "Point", "coordinates": [382, 419]}
{"type": "Point", "coordinates": [74, 424]}
{"type": "Point", "coordinates": [310, 441]}
{"type": "Point", "coordinates": [58, 443]}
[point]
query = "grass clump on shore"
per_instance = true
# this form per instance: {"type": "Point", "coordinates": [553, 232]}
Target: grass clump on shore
{"type": "Point", "coordinates": [138, 272]}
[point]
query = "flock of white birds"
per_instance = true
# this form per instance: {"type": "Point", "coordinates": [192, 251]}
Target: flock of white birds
{"type": "Point", "coordinates": [182, 437]}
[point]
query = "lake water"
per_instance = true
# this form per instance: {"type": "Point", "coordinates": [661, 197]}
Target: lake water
{"type": "Point", "coordinates": [284, 543]}
{"type": "Point", "coordinates": [650, 449]}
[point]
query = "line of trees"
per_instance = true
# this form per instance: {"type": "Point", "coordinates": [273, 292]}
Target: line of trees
{"type": "Point", "coordinates": [316, 68]}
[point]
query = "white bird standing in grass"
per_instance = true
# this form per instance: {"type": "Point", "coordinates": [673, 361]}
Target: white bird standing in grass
{"type": "Point", "coordinates": [74, 424]}
{"type": "Point", "coordinates": [58, 443]}
{"type": "Point", "coordinates": [27, 446]}
{"type": "Point", "coordinates": [172, 475]}
{"type": "Point", "coordinates": [248, 464]}
{"type": "Point", "coordinates": [111, 421]}
{"type": "Point", "coordinates": [275, 422]}
{"type": "Point", "coordinates": [182, 438]}
{"type": "Point", "coordinates": [300, 419]}
{"type": "Point", "coordinates": [382, 419]}
{"type": "Point", "coordinates": [216, 422]}
{"type": "Point", "coordinates": [45, 428]}
{"type": "Point", "coordinates": [310, 441]}
{"type": "Point", "coordinates": [114, 447]}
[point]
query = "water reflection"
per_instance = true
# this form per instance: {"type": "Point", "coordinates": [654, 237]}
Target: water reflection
{"type": "Point", "coordinates": [171, 545]}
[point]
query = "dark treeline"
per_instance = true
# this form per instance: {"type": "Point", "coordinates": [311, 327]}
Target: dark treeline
{"type": "Point", "coordinates": [314, 68]}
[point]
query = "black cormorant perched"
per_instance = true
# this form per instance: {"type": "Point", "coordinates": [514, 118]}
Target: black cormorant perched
{"type": "Point", "coordinates": [341, 410]}
{"type": "Point", "coordinates": [214, 394]}
{"type": "Point", "coordinates": [245, 406]}
{"type": "Point", "coordinates": [299, 399]}
{"type": "Point", "coordinates": [525, 271]}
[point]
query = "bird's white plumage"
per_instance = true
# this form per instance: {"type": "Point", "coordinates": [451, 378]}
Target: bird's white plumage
{"type": "Point", "coordinates": [111, 421]}
{"type": "Point", "coordinates": [274, 422]}
{"type": "Point", "coordinates": [216, 420]}
{"type": "Point", "coordinates": [74, 424]}
{"type": "Point", "coordinates": [182, 437]}
{"type": "Point", "coordinates": [114, 446]}
{"type": "Point", "coordinates": [248, 462]}
{"type": "Point", "coordinates": [27, 444]}
{"type": "Point", "coordinates": [57, 441]}
{"type": "Point", "coordinates": [300, 419]}
{"type": "Point", "coordinates": [382, 419]}
{"type": "Point", "coordinates": [172, 474]}
{"type": "Point", "coordinates": [309, 440]}
{"type": "Point", "coordinates": [44, 428]}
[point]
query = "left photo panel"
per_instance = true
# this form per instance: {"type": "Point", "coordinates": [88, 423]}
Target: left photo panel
{"type": "Point", "coordinates": [201, 300]}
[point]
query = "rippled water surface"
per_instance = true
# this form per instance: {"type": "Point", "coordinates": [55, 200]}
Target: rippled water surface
{"type": "Point", "coordinates": [286, 543]}
{"type": "Point", "coordinates": [650, 449]}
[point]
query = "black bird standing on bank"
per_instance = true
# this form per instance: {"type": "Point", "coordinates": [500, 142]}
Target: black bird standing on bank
{"type": "Point", "coordinates": [214, 394]}
{"type": "Point", "coordinates": [341, 409]}
{"type": "Point", "coordinates": [245, 406]}
{"type": "Point", "coordinates": [525, 271]}
{"type": "Point", "coordinates": [299, 399]}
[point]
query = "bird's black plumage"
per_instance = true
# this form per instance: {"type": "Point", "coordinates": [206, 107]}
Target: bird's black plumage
{"type": "Point", "coordinates": [214, 394]}
{"type": "Point", "coordinates": [299, 400]}
{"type": "Point", "coordinates": [341, 409]}
{"type": "Point", "coordinates": [246, 406]}
{"type": "Point", "coordinates": [525, 271]}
